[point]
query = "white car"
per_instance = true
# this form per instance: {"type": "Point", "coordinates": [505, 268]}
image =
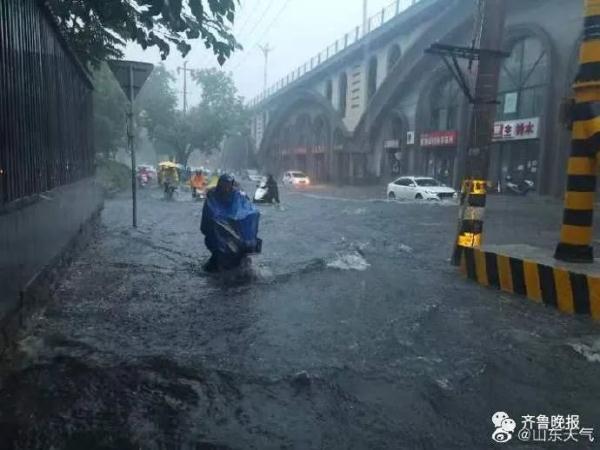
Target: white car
{"type": "Point", "coordinates": [419, 188]}
{"type": "Point", "coordinates": [296, 178]}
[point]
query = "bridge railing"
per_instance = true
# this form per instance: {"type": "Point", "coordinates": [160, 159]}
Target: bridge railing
{"type": "Point", "coordinates": [374, 22]}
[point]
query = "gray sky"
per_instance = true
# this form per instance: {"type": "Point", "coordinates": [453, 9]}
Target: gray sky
{"type": "Point", "coordinates": [296, 29]}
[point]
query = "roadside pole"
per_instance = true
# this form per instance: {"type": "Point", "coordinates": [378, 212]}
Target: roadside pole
{"type": "Point", "coordinates": [131, 76]}
{"type": "Point", "coordinates": [130, 141]}
{"type": "Point", "coordinates": [577, 229]}
{"type": "Point", "coordinates": [474, 186]}
{"type": "Point", "coordinates": [537, 273]}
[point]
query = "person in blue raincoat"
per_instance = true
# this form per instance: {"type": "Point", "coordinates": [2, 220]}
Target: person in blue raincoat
{"type": "Point", "coordinates": [230, 226]}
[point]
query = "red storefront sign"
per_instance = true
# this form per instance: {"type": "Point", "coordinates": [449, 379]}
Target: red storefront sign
{"type": "Point", "coordinates": [439, 139]}
{"type": "Point", "coordinates": [513, 130]}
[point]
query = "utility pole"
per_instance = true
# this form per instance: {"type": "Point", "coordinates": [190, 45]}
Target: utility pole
{"type": "Point", "coordinates": [365, 16]}
{"type": "Point", "coordinates": [266, 50]}
{"type": "Point", "coordinates": [474, 189]}
{"type": "Point", "coordinates": [185, 72]}
{"type": "Point", "coordinates": [577, 231]}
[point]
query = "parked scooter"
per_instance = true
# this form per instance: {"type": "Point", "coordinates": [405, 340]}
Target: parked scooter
{"type": "Point", "coordinates": [513, 187]}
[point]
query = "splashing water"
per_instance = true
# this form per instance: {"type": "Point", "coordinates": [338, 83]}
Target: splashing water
{"type": "Point", "coordinates": [349, 261]}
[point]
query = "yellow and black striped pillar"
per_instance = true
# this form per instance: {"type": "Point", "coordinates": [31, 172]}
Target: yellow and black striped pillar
{"type": "Point", "coordinates": [577, 229]}
{"type": "Point", "coordinates": [472, 211]}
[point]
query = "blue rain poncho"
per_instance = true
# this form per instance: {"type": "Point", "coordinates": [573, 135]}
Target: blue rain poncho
{"type": "Point", "coordinates": [230, 225]}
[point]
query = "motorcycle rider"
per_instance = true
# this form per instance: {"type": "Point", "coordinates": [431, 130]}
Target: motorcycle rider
{"type": "Point", "coordinates": [197, 183]}
{"type": "Point", "coordinates": [143, 176]}
{"type": "Point", "coordinates": [272, 194]}
{"type": "Point", "coordinates": [224, 209]}
{"type": "Point", "coordinates": [170, 180]}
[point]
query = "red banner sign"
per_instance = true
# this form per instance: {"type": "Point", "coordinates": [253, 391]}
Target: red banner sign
{"type": "Point", "coordinates": [439, 139]}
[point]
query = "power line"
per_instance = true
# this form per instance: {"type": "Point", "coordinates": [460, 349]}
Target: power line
{"type": "Point", "coordinates": [256, 25]}
{"type": "Point", "coordinates": [209, 54]}
{"type": "Point", "coordinates": [248, 17]}
{"type": "Point", "coordinates": [274, 20]}
{"type": "Point", "coordinates": [266, 31]}
{"type": "Point", "coordinates": [262, 17]}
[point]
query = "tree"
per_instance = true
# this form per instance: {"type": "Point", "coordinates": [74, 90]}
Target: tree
{"type": "Point", "coordinates": [157, 101]}
{"type": "Point", "coordinates": [220, 113]}
{"type": "Point", "coordinates": [110, 107]}
{"type": "Point", "coordinates": [98, 29]}
{"type": "Point", "coordinates": [221, 99]}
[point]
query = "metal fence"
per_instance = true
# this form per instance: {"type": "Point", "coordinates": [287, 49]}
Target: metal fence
{"type": "Point", "coordinates": [391, 11]}
{"type": "Point", "coordinates": [46, 107]}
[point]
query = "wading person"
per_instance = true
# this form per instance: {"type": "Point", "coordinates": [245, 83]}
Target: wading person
{"type": "Point", "coordinates": [230, 226]}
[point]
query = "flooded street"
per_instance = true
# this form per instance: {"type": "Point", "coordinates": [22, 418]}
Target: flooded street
{"type": "Point", "coordinates": [350, 331]}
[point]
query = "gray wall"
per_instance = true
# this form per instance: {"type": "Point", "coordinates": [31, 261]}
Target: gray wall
{"type": "Point", "coordinates": [33, 236]}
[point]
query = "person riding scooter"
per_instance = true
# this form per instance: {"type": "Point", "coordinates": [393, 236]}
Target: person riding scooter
{"type": "Point", "coordinates": [170, 181]}
{"type": "Point", "coordinates": [272, 190]}
{"type": "Point", "coordinates": [230, 226]}
{"type": "Point", "coordinates": [143, 177]}
{"type": "Point", "coordinates": [198, 184]}
{"type": "Point", "coordinates": [267, 192]}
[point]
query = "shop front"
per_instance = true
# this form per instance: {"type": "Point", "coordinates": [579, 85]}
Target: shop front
{"type": "Point", "coordinates": [301, 158]}
{"type": "Point", "coordinates": [286, 160]}
{"type": "Point", "coordinates": [516, 150]}
{"type": "Point", "coordinates": [439, 150]}
{"type": "Point", "coordinates": [395, 160]}
{"type": "Point", "coordinates": [342, 167]}
{"type": "Point", "coordinates": [319, 163]}
{"type": "Point", "coordinates": [522, 93]}
{"type": "Point", "coordinates": [359, 167]}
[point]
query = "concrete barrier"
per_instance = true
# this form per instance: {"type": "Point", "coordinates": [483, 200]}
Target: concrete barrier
{"type": "Point", "coordinates": [535, 274]}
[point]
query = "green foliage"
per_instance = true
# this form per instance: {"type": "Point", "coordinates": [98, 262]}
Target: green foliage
{"type": "Point", "coordinates": [157, 102]}
{"type": "Point", "coordinates": [220, 100]}
{"type": "Point", "coordinates": [113, 176]}
{"type": "Point", "coordinates": [220, 113]}
{"type": "Point", "coordinates": [110, 108]}
{"type": "Point", "coordinates": [98, 29]}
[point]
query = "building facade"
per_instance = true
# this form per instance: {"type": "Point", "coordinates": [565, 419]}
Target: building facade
{"type": "Point", "coordinates": [382, 107]}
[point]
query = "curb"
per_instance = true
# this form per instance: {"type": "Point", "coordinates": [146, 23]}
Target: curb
{"type": "Point", "coordinates": [39, 289]}
{"type": "Point", "coordinates": [569, 291]}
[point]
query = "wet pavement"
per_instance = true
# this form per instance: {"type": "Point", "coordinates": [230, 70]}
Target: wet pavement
{"type": "Point", "coordinates": [350, 331]}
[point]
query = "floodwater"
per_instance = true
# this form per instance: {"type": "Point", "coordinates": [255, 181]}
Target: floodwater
{"type": "Point", "coordinates": [350, 331]}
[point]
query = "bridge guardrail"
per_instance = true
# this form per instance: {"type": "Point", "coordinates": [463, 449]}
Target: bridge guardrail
{"type": "Point", "coordinates": [374, 22]}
